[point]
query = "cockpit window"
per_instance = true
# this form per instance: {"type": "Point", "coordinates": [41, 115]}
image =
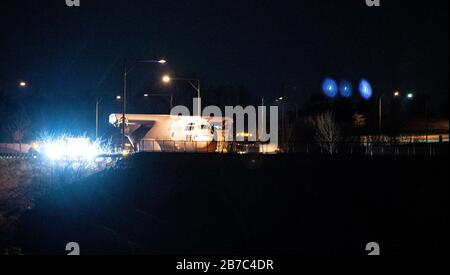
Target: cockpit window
{"type": "Point", "coordinates": [190, 127]}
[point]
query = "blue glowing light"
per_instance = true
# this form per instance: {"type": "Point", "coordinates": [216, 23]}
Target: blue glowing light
{"type": "Point", "coordinates": [345, 88]}
{"type": "Point", "coordinates": [71, 149]}
{"type": "Point", "coordinates": [365, 89]}
{"type": "Point", "coordinates": [330, 88]}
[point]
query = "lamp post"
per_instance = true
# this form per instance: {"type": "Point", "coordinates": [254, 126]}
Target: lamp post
{"type": "Point", "coordinates": [167, 79]}
{"type": "Point", "coordinates": [129, 65]}
{"type": "Point", "coordinates": [380, 113]}
{"type": "Point", "coordinates": [97, 103]}
{"type": "Point", "coordinates": [396, 94]}
{"type": "Point", "coordinates": [410, 96]}
{"type": "Point", "coordinates": [281, 102]}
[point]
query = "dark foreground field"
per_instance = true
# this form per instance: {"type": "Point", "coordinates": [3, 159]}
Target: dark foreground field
{"type": "Point", "coordinates": [229, 204]}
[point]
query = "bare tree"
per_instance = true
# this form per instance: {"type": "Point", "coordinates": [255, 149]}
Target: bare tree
{"type": "Point", "coordinates": [18, 128]}
{"type": "Point", "coordinates": [327, 132]}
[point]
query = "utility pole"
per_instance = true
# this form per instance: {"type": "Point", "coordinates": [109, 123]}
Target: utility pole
{"type": "Point", "coordinates": [261, 128]}
{"type": "Point", "coordinates": [380, 114]}
{"type": "Point", "coordinates": [427, 120]}
{"type": "Point", "coordinates": [97, 102]}
{"type": "Point", "coordinates": [124, 106]}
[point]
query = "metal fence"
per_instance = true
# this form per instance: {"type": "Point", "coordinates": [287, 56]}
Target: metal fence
{"type": "Point", "coordinates": [15, 156]}
{"type": "Point", "coordinates": [349, 148]}
{"type": "Point", "coordinates": [369, 149]}
{"type": "Point", "coordinates": [343, 148]}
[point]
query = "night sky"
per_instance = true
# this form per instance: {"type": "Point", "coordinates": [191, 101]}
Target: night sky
{"type": "Point", "coordinates": [70, 56]}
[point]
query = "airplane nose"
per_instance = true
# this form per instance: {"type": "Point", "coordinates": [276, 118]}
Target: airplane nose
{"type": "Point", "coordinates": [112, 119]}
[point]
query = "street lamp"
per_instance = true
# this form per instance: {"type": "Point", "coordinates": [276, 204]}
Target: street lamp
{"type": "Point", "coordinates": [380, 109]}
{"type": "Point", "coordinates": [167, 79]}
{"type": "Point", "coordinates": [281, 102]}
{"type": "Point", "coordinates": [97, 105]}
{"type": "Point", "coordinates": [410, 96]}
{"type": "Point", "coordinates": [380, 113]}
{"type": "Point", "coordinates": [396, 94]}
{"type": "Point", "coordinates": [22, 84]}
{"type": "Point", "coordinates": [129, 65]}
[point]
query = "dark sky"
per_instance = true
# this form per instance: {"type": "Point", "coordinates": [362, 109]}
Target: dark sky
{"type": "Point", "coordinates": [262, 45]}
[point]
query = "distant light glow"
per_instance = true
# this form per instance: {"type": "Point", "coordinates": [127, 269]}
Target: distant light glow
{"type": "Point", "coordinates": [345, 88]}
{"type": "Point", "coordinates": [244, 134]}
{"type": "Point", "coordinates": [365, 89]}
{"type": "Point", "coordinates": [35, 145]}
{"type": "Point", "coordinates": [410, 95]}
{"type": "Point", "coordinates": [118, 97]}
{"type": "Point", "coordinates": [330, 88]}
{"type": "Point", "coordinates": [22, 84]}
{"type": "Point", "coordinates": [397, 94]}
{"type": "Point", "coordinates": [166, 79]}
{"type": "Point", "coordinates": [145, 95]}
{"type": "Point", "coordinates": [72, 149]}
{"type": "Point", "coordinates": [125, 152]}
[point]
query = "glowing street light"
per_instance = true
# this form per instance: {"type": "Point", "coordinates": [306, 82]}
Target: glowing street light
{"type": "Point", "coordinates": [118, 97]}
{"type": "Point", "coordinates": [380, 109]}
{"type": "Point", "coordinates": [22, 84]}
{"type": "Point", "coordinates": [166, 79]}
{"type": "Point", "coordinates": [162, 61]}
{"type": "Point", "coordinates": [279, 99]}
{"type": "Point", "coordinates": [410, 96]}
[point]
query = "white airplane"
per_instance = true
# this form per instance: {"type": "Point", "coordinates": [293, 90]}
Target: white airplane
{"type": "Point", "coordinates": [173, 133]}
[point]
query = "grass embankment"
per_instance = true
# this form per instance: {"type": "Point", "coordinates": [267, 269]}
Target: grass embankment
{"type": "Point", "coordinates": [17, 194]}
{"type": "Point", "coordinates": [22, 183]}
